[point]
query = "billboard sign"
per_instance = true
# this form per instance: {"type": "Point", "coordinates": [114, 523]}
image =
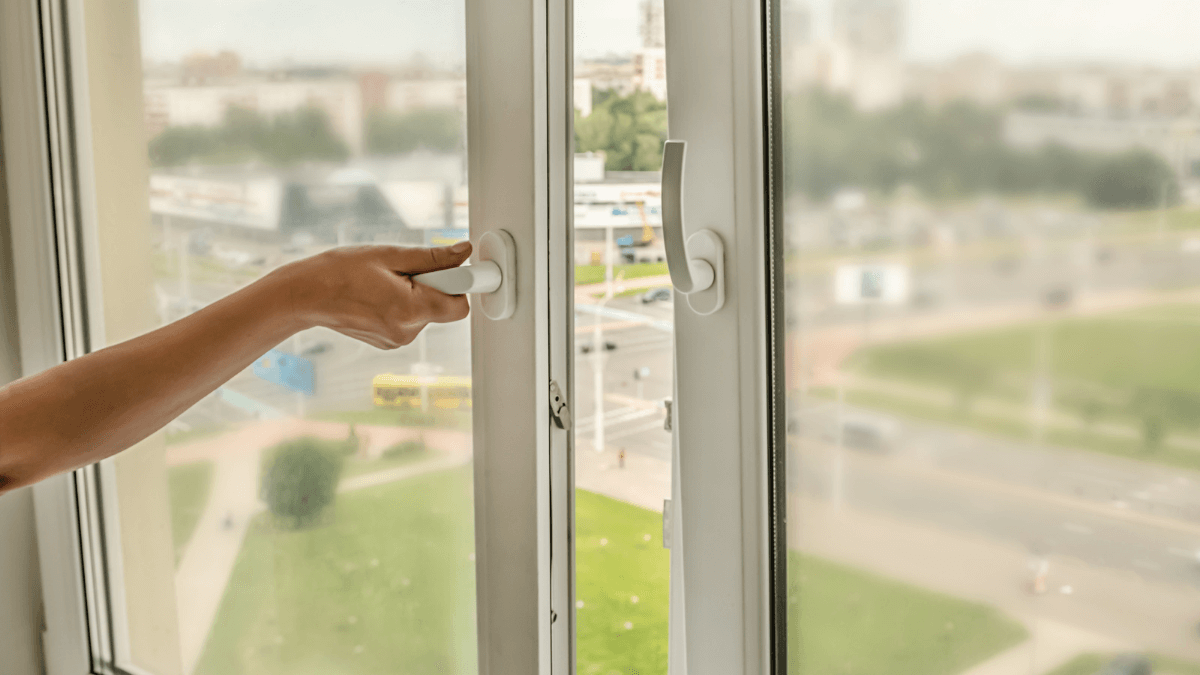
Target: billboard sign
{"type": "Point", "coordinates": [871, 284]}
{"type": "Point", "coordinates": [286, 370]}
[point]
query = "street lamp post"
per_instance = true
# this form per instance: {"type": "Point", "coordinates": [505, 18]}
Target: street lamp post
{"type": "Point", "coordinates": [598, 358]}
{"type": "Point", "coordinates": [639, 376]}
{"type": "Point", "coordinates": [185, 277]}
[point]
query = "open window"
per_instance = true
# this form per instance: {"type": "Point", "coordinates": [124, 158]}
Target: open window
{"type": "Point", "coordinates": [180, 151]}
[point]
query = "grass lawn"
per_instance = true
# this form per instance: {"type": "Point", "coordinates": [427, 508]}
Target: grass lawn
{"type": "Point", "coordinates": [594, 274]}
{"type": "Point", "coordinates": [385, 585]}
{"type": "Point", "coordinates": [1090, 664]}
{"type": "Point", "coordinates": [848, 622]}
{"type": "Point", "coordinates": [188, 486]}
{"type": "Point", "coordinates": [628, 292]}
{"type": "Point", "coordinates": [1151, 347]}
{"type": "Point", "coordinates": [1102, 363]}
{"type": "Point", "coordinates": [1132, 448]}
{"type": "Point", "coordinates": [615, 563]}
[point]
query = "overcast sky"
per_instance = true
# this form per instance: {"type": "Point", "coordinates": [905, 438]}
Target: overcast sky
{"type": "Point", "coordinates": [1163, 32]}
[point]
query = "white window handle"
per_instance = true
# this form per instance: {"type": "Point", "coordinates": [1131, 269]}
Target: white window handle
{"type": "Point", "coordinates": [492, 276]}
{"type": "Point", "coordinates": [696, 263]}
{"type": "Point", "coordinates": [482, 277]}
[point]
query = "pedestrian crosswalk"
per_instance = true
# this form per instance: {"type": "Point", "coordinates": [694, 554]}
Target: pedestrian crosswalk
{"type": "Point", "coordinates": [616, 417]}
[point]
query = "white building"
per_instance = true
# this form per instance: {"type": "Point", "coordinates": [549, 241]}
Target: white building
{"type": "Point", "coordinates": [862, 55]}
{"type": "Point", "coordinates": [340, 99]}
{"type": "Point", "coordinates": [406, 95]}
{"type": "Point", "coordinates": [581, 95]}
{"type": "Point", "coordinates": [650, 71]}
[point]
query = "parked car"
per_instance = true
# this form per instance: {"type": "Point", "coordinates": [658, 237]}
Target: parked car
{"type": "Point", "coordinates": [656, 295]}
{"type": "Point", "coordinates": [586, 347]}
{"type": "Point", "coordinates": [866, 432]}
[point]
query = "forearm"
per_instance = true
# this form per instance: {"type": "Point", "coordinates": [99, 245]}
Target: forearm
{"type": "Point", "coordinates": [99, 404]}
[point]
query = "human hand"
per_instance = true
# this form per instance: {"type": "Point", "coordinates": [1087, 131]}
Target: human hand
{"type": "Point", "coordinates": [367, 292]}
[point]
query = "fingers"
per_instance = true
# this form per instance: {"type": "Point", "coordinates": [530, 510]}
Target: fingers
{"type": "Point", "coordinates": [414, 260]}
{"type": "Point", "coordinates": [430, 305]}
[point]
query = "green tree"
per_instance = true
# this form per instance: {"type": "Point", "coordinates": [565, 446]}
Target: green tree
{"type": "Point", "coordinates": [630, 130]}
{"type": "Point", "coordinates": [177, 145]}
{"type": "Point", "coordinates": [301, 480]}
{"type": "Point", "coordinates": [303, 134]}
{"type": "Point", "coordinates": [950, 151]}
{"type": "Point", "coordinates": [1132, 180]}
{"type": "Point", "coordinates": [392, 133]}
{"type": "Point", "coordinates": [290, 137]}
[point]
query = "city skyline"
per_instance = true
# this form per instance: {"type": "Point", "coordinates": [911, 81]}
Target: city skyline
{"type": "Point", "coordinates": [372, 32]}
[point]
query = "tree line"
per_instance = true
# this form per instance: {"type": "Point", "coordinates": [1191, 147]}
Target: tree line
{"type": "Point", "coordinates": [951, 151]}
{"type": "Point", "coordinates": [247, 135]}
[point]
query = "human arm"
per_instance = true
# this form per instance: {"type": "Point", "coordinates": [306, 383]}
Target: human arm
{"type": "Point", "coordinates": [99, 404]}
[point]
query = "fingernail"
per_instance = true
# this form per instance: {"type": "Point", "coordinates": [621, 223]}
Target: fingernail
{"type": "Point", "coordinates": [460, 246]}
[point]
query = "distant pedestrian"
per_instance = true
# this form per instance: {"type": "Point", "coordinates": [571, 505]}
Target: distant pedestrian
{"type": "Point", "coordinates": [621, 458]}
{"type": "Point", "coordinates": [1041, 572]}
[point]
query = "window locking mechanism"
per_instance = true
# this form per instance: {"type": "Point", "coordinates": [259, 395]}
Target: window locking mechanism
{"type": "Point", "coordinates": [559, 410]}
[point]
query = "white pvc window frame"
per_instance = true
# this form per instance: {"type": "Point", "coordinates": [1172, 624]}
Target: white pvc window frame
{"type": "Point", "coordinates": [726, 530]}
{"type": "Point", "coordinates": [728, 556]}
{"type": "Point", "coordinates": [520, 131]}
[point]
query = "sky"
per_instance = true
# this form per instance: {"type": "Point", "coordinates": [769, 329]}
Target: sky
{"type": "Point", "coordinates": [268, 32]}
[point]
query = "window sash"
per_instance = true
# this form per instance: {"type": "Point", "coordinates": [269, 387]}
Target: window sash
{"type": "Point", "coordinates": [524, 556]}
{"type": "Point", "coordinates": [728, 543]}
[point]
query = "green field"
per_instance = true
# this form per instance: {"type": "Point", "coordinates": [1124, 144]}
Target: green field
{"type": "Point", "coordinates": [594, 274]}
{"type": "Point", "coordinates": [188, 486]}
{"type": "Point", "coordinates": [847, 622]}
{"type": "Point", "coordinates": [615, 562]}
{"type": "Point", "coordinates": [1125, 369]}
{"type": "Point", "coordinates": [387, 586]}
{"type": "Point", "coordinates": [1090, 664]}
{"type": "Point", "coordinates": [1155, 347]}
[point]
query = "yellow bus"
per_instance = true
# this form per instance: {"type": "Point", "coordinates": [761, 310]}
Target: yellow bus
{"type": "Point", "coordinates": [404, 391]}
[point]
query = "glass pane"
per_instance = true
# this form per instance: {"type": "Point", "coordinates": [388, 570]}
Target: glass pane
{"type": "Point", "coordinates": [276, 130]}
{"type": "Point", "coordinates": [993, 401]}
{"type": "Point", "coordinates": [623, 328]}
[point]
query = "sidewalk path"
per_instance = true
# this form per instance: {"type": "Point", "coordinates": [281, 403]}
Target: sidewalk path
{"type": "Point", "coordinates": [208, 560]}
{"type": "Point", "coordinates": [1052, 645]}
{"type": "Point", "coordinates": [645, 481]}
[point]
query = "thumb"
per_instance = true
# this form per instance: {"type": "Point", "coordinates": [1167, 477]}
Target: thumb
{"type": "Point", "coordinates": [416, 260]}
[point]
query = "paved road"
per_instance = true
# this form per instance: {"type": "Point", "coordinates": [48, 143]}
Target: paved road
{"type": "Point", "coordinates": [1042, 523]}
{"type": "Point", "coordinates": [633, 413]}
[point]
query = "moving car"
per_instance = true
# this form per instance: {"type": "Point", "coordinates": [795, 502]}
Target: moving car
{"type": "Point", "coordinates": [656, 295]}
